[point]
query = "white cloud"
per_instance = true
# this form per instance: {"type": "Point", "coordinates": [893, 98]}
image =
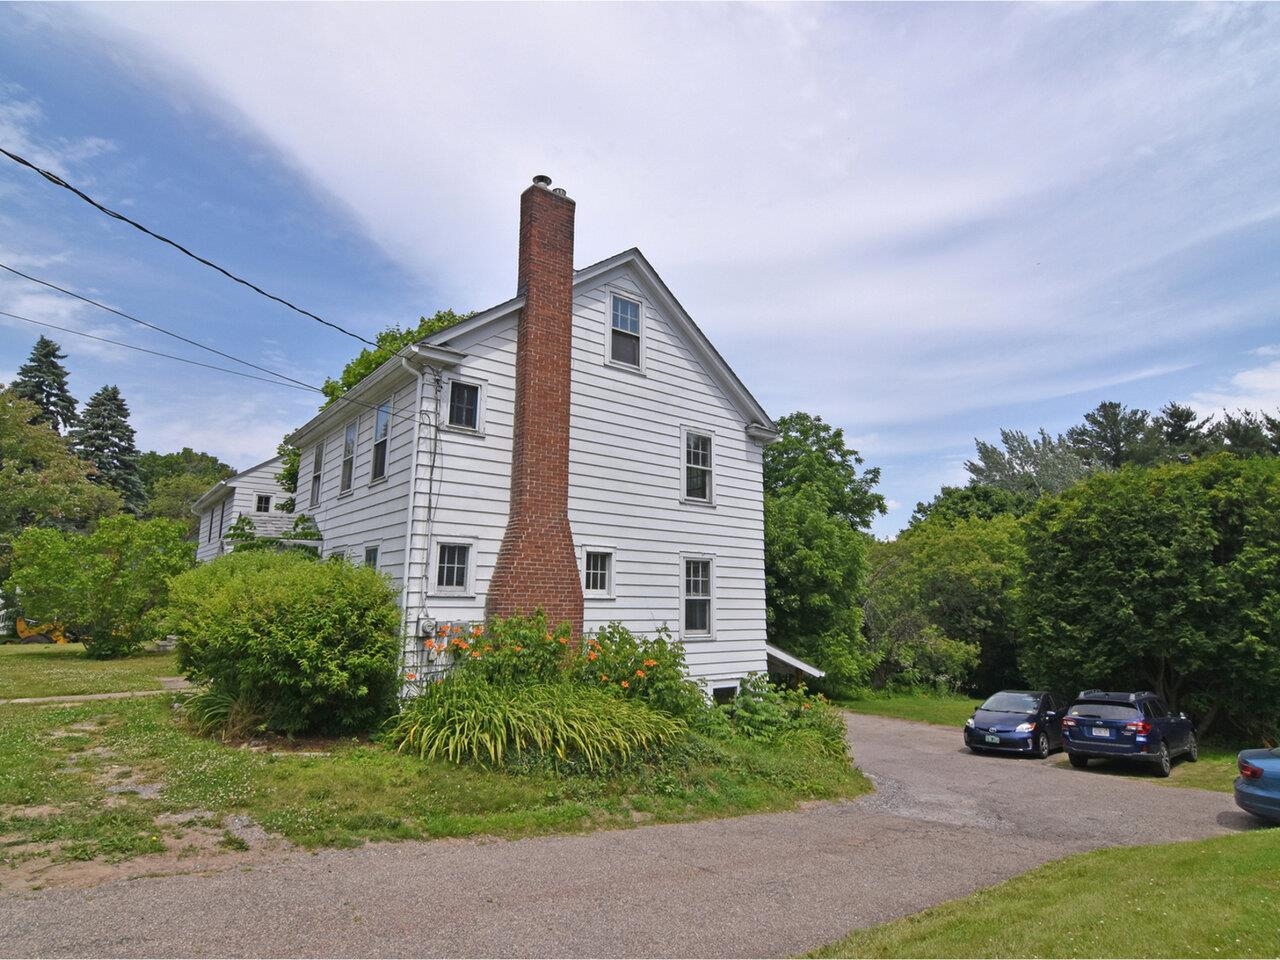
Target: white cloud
{"type": "Point", "coordinates": [1256, 388]}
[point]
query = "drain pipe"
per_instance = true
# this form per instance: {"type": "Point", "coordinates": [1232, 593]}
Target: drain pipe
{"type": "Point", "coordinates": [409, 632]}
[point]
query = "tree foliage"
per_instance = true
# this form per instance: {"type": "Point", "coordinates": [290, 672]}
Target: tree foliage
{"type": "Point", "coordinates": [104, 437]}
{"type": "Point", "coordinates": [43, 381]}
{"type": "Point", "coordinates": [287, 478]}
{"type": "Point", "coordinates": [1112, 436]}
{"type": "Point", "coordinates": [1166, 578]}
{"type": "Point", "coordinates": [975, 501]}
{"type": "Point", "coordinates": [811, 453]}
{"type": "Point", "coordinates": [1029, 466]}
{"type": "Point", "coordinates": [173, 482]}
{"type": "Point", "coordinates": [389, 342]}
{"type": "Point", "coordinates": [101, 585]}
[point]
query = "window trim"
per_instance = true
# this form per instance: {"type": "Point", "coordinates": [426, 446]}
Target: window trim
{"type": "Point", "coordinates": [610, 592]}
{"type": "Point", "coordinates": [317, 474]}
{"type": "Point", "coordinates": [610, 293]}
{"type": "Point", "coordinates": [433, 577]}
{"type": "Point", "coordinates": [257, 502]}
{"type": "Point", "coordinates": [710, 501]}
{"type": "Point", "coordinates": [377, 555]}
{"type": "Point", "coordinates": [482, 389]}
{"type": "Point", "coordinates": [386, 441]}
{"type": "Point", "coordinates": [685, 634]}
{"type": "Point", "coordinates": [347, 483]}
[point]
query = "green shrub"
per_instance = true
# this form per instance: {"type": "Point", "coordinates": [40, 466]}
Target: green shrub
{"type": "Point", "coordinates": [467, 718]}
{"type": "Point", "coordinates": [102, 585]}
{"type": "Point", "coordinates": [315, 643]}
{"type": "Point", "coordinates": [514, 651]}
{"type": "Point", "coordinates": [646, 668]}
{"type": "Point", "coordinates": [765, 713]}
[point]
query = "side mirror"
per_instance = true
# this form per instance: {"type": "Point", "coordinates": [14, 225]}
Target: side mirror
{"type": "Point", "coordinates": [1050, 714]}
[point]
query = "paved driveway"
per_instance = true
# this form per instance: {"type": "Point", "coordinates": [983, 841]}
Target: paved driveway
{"type": "Point", "coordinates": [768, 885]}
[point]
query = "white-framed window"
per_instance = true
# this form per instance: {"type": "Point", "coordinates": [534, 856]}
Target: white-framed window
{"type": "Point", "coordinates": [371, 556]}
{"type": "Point", "coordinates": [597, 572]}
{"type": "Point", "coordinates": [381, 441]}
{"type": "Point", "coordinates": [209, 537]}
{"type": "Point", "coordinates": [317, 467]}
{"type": "Point", "coordinates": [626, 331]}
{"type": "Point", "coordinates": [263, 503]}
{"type": "Point", "coordinates": [697, 456]}
{"type": "Point", "coordinates": [349, 456]}
{"type": "Point", "coordinates": [697, 582]}
{"type": "Point", "coordinates": [453, 567]}
{"type": "Point", "coordinates": [222, 517]}
{"type": "Point", "coordinates": [466, 406]}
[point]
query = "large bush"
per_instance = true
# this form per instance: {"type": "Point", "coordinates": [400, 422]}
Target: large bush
{"type": "Point", "coordinates": [314, 645]}
{"type": "Point", "coordinates": [1167, 579]}
{"type": "Point", "coordinates": [100, 586]}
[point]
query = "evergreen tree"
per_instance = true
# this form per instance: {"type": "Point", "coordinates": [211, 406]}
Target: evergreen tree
{"type": "Point", "coordinates": [105, 438]}
{"type": "Point", "coordinates": [43, 381]}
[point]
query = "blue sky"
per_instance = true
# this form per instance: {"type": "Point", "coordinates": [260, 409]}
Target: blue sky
{"type": "Point", "coordinates": [922, 222]}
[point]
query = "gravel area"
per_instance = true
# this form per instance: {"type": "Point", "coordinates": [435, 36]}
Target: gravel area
{"type": "Point", "coordinates": [942, 824]}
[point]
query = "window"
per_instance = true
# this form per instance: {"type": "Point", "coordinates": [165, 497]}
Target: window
{"type": "Point", "coordinates": [624, 332]}
{"type": "Point", "coordinates": [697, 466]}
{"type": "Point", "coordinates": [317, 466]}
{"type": "Point", "coordinates": [598, 573]}
{"type": "Point", "coordinates": [222, 517]}
{"type": "Point", "coordinates": [381, 432]}
{"type": "Point", "coordinates": [264, 503]}
{"type": "Point", "coordinates": [371, 557]}
{"type": "Point", "coordinates": [697, 596]}
{"type": "Point", "coordinates": [452, 569]}
{"type": "Point", "coordinates": [464, 405]}
{"type": "Point", "coordinates": [349, 456]}
{"type": "Point", "coordinates": [209, 537]}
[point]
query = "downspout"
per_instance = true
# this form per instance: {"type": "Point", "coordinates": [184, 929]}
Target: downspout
{"type": "Point", "coordinates": [409, 633]}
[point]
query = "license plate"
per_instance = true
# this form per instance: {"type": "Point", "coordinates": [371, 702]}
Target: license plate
{"type": "Point", "coordinates": [1101, 732]}
{"type": "Point", "coordinates": [991, 739]}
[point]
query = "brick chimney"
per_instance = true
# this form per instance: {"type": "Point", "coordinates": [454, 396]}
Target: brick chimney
{"type": "Point", "coordinates": [537, 564]}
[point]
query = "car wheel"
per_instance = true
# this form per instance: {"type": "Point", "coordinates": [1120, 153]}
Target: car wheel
{"type": "Point", "coordinates": [1163, 763]}
{"type": "Point", "coordinates": [1042, 746]}
{"type": "Point", "coordinates": [1193, 749]}
{"type": "Point", "coordinates": [1078, 761]}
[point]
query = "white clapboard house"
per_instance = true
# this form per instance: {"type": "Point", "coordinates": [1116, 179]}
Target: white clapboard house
{"type": "Point", "coordinates": [253, 493]}
{"type": "Point", "coordinates": [581, 448]}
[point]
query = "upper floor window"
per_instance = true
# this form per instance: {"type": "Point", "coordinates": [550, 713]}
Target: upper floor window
{"type": "Point", "coordinates": [349, 456]}
{"type": "Point", "coordinates": [697, 596]}
{"type": "Point", "coordinates": [464, 405]}
{"type": "Point", "coordinates": [317, 465]}
{"type": "Point", "coordinates": [624, 331]}
{"type": "Point", "coordinates": [381, 435]}
{"type": "Point", "coordinates": [263, 504]}
{"type": "Point", "coordinates": [697, 466]}
{"type": "Point", "coordinates": [598, 573]}
{"type": "Point", "coordinates": [453, 567]}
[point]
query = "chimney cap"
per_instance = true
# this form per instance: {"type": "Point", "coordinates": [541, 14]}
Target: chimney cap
{"type": "Point", "coordinates": [542, 180]}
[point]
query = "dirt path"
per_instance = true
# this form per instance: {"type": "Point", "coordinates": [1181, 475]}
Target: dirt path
{"type": "Point", "coordinates": [942, 824]}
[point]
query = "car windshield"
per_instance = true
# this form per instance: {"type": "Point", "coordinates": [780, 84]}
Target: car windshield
{"type": "Point", "coordinates": [1105, 711]}
{"type": "Point", "coordinates": [1007, 702]}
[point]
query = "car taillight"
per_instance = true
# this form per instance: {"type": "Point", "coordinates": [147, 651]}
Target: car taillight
{"type": "Point", "coordinates": [1249, 771]}
{"type": "Point", "coordinates": [1139, 726]}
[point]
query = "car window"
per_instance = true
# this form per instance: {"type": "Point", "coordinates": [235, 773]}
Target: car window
{"type": "Point", "coordinates": [1011, 702]}
{"type": "Point", "coordinates": [1105, 711]}
{"type": "Point", "coordinates": [1149, 708]}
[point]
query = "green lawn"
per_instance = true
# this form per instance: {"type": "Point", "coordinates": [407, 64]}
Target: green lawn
{"type": "Point", "coordinates": [58, 762]}
{"type": "Point", "coordinates": [1215, 770]}
{"type": "Point", "coordinates": [62, 669]}
{"type": "Point", "coordinates": [947, 711]}
{"type": "Point", "coordinates": [1209, 898]}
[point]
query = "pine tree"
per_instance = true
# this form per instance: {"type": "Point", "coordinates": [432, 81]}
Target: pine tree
{"type": "Point", "coordinates": [43, 381]}
{"type": "Point", "coordinates": [104, 438]}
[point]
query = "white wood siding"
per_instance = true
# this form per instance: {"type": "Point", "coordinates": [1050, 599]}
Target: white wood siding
{"type": "Point", "coordinates": [241, 499]}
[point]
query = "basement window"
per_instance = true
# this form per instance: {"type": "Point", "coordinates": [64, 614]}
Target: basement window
{"type": "Point", "coordinates": [624, 332]}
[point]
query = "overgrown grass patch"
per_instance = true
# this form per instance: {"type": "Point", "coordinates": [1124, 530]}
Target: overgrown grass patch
{"type": "Point", "coordinates": [941, 709]}
{"type": "Point", "coordinates": [62, 669]}
{"type": "Point", "coordinates": [1208, 898]}
{"type": "Point", "coordinates": [1215, 770]}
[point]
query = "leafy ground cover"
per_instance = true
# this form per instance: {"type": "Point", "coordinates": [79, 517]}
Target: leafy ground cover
{"type": "Point", "coordinates": [1208, 898]}
{"type": "Point", "coordinates": [56, 669]}
{"type": "Point", "coordinates": [114, 780]}
{"type": "Point", "coordinates": [944, 710]}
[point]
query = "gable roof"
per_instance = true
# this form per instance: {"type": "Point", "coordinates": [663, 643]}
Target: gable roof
{"type": "Point", "coordinates": [229, 485]}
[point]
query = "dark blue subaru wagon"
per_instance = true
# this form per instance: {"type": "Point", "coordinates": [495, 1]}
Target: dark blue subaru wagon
{"type": "Point", "coordinates": [1136, 726]}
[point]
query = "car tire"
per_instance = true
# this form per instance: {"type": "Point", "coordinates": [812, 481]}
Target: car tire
{"type": "Point", "coordinates": [1193, 749]}
{"type": "Point", "coordinates": [1077, 760]}
{"type": "Point", "coordinates": [1042, 746]}
{"type": "Point", "coordinates": [1163, 763]}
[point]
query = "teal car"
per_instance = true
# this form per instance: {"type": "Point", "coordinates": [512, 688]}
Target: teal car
{"type": "Point", "coordinates": [1258, 786]}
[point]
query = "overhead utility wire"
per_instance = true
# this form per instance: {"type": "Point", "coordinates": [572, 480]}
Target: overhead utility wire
{"type": "Point", "coordinates": [155, 353]}
{"type": "Point", "coordinates": [59, 182]}
{"type": "Point", "coordinates": [289, 381]}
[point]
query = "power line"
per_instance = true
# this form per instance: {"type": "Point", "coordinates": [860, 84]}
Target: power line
{"type": "Point", "coordinates": [155, 353]}
{"type": "Point", "coordinates": [59, 182]}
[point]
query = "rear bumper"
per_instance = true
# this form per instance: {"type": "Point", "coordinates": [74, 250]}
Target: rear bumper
{"type": "Point", "coordinates": [1101, 748]}
{"type": "Point", "coordinates": [1255, 800]}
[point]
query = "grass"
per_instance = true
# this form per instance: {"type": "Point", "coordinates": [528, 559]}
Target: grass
{"type": "Point", "coordinates": [59, 761]}
{"type": "Point", "coordinates": [1207, 898]}
{"type": "Point", "coordinates": [1215, 770]}
{"type": "Point", "coordinates": [62, 669]}
{"type": "Point", "coordinates": [941, 709]}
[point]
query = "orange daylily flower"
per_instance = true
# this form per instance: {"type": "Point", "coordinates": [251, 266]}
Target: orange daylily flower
{"type": "Point", "coordinates": [518, 648]}
{"type": "Point", "coordinates": [411, 676]}
{"type": "Point", "coordinates": [477, 631]}
{"type": "Point", "coordinates": [625, 684]}
{"type": "Point", "coordinates": [640, 673]}
{"type": "Point", "coordinates": [604, 678]}
{"type": "Point", "coordinates": [475, 654]}
{"type": "Point", "coordinates": [651, 663]}
{"type": "Point", "coordinates": [592, 655]}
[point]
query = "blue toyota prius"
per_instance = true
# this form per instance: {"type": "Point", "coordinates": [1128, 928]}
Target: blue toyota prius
{"type": "Point", "coordinates": [1015, 721]}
